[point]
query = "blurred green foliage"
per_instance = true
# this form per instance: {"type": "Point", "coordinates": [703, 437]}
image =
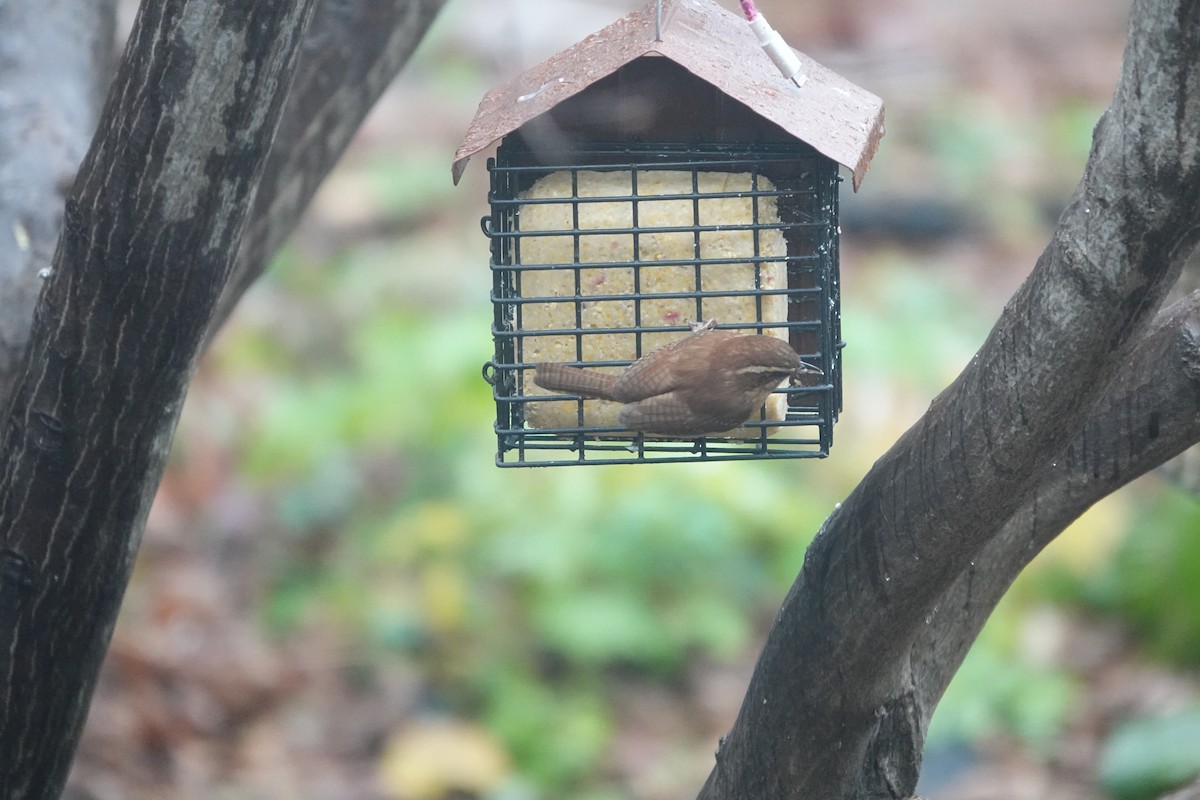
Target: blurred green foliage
{"type": "Point", "coordinates": [1149, 756]}
{"type": "Point", "coordinates": [941, 321]}
{"type": "Point", "coordinates": [1153, 579]}
{"type": "Point", "coordinates": [522, 594]}
{"type": "Point", "coordinates": [998, 690]}
{"type": "Point", "coordinates": [523, 597]}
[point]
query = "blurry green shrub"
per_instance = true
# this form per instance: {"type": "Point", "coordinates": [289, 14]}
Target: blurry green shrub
{"type": "Point", "coordinates": [940, 321]}
{"type": "Point", "coordinates": [997, 690]}
{"type": "Point", "coordinates": [409, 382]}
{"type": "Point", "coordinates": [523, 595]}
{"type": "Point", "coordinates": [520, 594]}
{"type": "Point", "coordinates": [1153, 580]}
{"type": "Point", "coordinates": [1148, 757]}
{"type": "Point", "coordinates": [534, 590]}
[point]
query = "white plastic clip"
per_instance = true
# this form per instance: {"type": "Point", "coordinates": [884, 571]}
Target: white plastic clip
{"type": "Point", "coordinates": [774, 45]}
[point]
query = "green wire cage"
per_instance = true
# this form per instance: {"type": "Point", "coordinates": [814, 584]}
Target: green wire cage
{"type": "Point", "coordinates": [655, 175]}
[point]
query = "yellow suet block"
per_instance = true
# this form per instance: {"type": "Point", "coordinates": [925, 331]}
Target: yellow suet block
{"type": "Point", "coordinates": [605, 242]}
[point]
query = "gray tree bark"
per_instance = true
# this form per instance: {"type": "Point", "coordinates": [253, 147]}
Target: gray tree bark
{"type": "Point", "coordinates": [149, 240]}
{"type": "Point", "coordinates": [352, 52]}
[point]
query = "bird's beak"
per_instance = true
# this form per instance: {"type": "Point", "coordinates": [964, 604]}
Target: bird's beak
{"type": "Point", "coordinates": [806, 368]}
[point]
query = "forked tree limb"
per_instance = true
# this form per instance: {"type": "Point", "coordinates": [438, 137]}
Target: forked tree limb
{"type": "Point", "coordinates": [1149, 414]}
{"type": "Point", "coordinates": [832, 709]}
{"type": "Point", "coordinates": [351, 55]}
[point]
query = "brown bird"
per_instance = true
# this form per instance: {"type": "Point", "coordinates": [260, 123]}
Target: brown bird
{"type": "Point", "coordinates": [708, 382]}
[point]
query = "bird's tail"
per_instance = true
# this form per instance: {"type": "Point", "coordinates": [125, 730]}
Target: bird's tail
{"type": "Point", "coordinates": [573, 380]}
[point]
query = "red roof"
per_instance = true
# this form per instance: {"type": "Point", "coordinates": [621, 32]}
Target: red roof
{"type": "Point", "coordinates": [837, 118]}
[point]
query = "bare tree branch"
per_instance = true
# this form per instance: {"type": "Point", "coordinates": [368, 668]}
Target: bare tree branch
{"type": "Point", "coordinates": [150, 237]}
{"type": "Point", "coordinates": [55, 62]}
{"type": "Point", "coordinates": [1150, 414]}
{"type": "Point", "coordinates": [353, 52]}
{"type": "Point", "coordinates": [832, 708]}
{"type": "Point", "coordinates": [1191, 792]}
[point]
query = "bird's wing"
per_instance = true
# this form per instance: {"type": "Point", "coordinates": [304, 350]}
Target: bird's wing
{"type": "Point", "coordinates": [642, 379]}
{"type": "Point", "coordinates": [663, 414]}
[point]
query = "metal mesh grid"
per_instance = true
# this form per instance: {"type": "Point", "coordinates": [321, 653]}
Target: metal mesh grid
{"type": "Point", "coordinates": [803, 186]}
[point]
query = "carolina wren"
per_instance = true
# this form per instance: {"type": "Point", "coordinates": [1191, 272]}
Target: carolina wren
{"type": "Point", "coordinates": [708, 382]}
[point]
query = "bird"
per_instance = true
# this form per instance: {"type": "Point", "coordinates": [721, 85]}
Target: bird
{"type": "Point", "coordinates": [708, 382]}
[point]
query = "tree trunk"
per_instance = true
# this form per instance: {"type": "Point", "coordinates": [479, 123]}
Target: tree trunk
{"type": "Point", "coordinates": [151, 233]}
{"type": "Point", "coordinates": [55, 64]}
{"type": "Point", "coordinates": [144, 273]}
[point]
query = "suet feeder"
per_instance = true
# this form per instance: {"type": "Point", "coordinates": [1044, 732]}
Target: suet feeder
{"type": "Point", "coordinates": [663, 171]}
